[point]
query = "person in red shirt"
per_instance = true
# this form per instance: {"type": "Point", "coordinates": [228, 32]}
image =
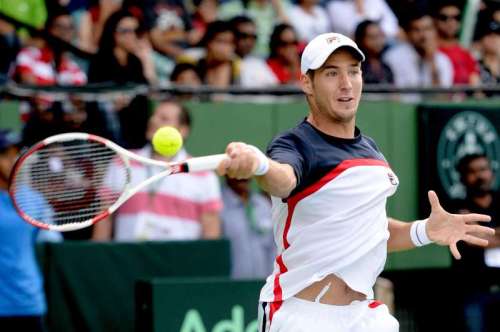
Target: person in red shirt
{"type": "Point", "coordinates": [465, 67]}
{"type": "Point", "coordinates": [284, 59]}
{"type": "Point", "coordinates": [48, 64]}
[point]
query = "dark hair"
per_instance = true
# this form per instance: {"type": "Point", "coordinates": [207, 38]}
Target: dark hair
{"type": "Point", "coordinates": [487, 27]}
{"type": "Point", "coordinates": [107, 41]}
{"type": "Point", "coordinates": [182, 67]}
{"type": "Point", "coordinates": [446, 3]}
{"type": "Point", "coordinates": [463, 163]}
{"type": "Point", "coordinates": [413, 15]}
{"type": "Point", "coordinates": [240, 19]}
{"type": "Point", "coordinates": [360, 32]}
{"type": "Point", "coordinates": [55, 14]}
{"type": "Point", "coordinates": [213, 29]}
{"type": "Point", "coordinates": [275, 39]}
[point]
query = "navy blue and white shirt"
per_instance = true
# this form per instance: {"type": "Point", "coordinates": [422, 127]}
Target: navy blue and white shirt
{"type": "Point", "coordinates": [334, 221]}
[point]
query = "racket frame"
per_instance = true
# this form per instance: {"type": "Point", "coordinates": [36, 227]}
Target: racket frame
{"type": "Point", "coordinates": [190, 165]}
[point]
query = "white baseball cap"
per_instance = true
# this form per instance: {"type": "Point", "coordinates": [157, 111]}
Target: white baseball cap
{"type": "Point", "coordinates": [322, 46]}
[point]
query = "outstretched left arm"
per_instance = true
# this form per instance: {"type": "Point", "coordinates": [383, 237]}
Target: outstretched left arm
{"type": "Point", "coordinates": [443, 228]}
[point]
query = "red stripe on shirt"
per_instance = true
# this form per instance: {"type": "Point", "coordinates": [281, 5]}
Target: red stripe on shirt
{"type": "Point", "coordinates": [166, 205]}
{"type": "Point", "coordinates": [292, 203]}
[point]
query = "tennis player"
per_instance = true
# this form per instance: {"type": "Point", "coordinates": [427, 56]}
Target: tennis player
{"type": "Point", "coordinates": [329, 185]}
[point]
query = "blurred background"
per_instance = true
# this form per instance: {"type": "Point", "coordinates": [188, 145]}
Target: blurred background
{"type": "Point", "coordinates": [191, 253]}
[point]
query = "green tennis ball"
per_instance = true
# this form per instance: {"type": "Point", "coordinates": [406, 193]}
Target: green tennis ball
{"type": "Point", "coordinates": [167, 141]}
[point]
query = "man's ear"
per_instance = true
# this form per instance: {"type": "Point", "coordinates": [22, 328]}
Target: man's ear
{"type": "Point", "coordinates": [306, 84]}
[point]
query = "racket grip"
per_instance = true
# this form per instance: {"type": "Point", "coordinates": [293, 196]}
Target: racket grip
{"type": "Point", "coordinates": [207, 163]}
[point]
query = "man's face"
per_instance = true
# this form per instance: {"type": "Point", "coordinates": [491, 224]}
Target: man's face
{"type": "Point", "coordinates": [374, 40]}
{"type": "Point", "coordinates": [422, 32]}
{"type": "Point", "coordinates": [8, 158]}
{"type": "Point", "coordinates": [448, 22]}
{"type": "Point", "coordinates": [479, 176]}
{"type": "Point", "coordinates": [221, 48]}
{"type": "Point", "coordinates": [165, 114]}
{"type": "Point", "coordinates": [246, 37]}
{"type": "Point", "coordinates": [63, 28]}
{"type": "Point", "coordinates": [335, 88]}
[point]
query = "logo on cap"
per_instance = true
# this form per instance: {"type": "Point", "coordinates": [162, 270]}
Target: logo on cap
{"type": "Point", "coordinates": [330, 40]}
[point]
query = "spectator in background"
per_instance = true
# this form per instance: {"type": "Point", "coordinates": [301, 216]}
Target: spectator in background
{"type": "Point", "coordinates": [309, 19]}
{"type": "Point", "coordinates": [284, 60]}
{"type": "Point", "coordinates": [92, 23]}
{"type": "Point", "coordinates": [246, 222]}
{"type": "Point", "coordinates": [220, 67]}
{"type": "Point", "coordinates": [22, 298]}
{"type": "Point", "coordinates": [49, 64]}
{"type": "Point", "coordinates": [447, 20]}
{"type": "Point", "coordinates": [205, 12]}
{"type": "Point", "coordinates": [181, 207]}
{"type": "Point", "coordinates": [478, 271]}
{"type": "Point", "coordinates": [371, 40]}
{"type": "Point", "coordinates": [419, 63]}
{"type": "Point", "coordinates": [254, 70]}
{"type": "Point", "coordinates": [124, 58]}
{"type": "Point", "coordinates": [169, 25]}
{"type": "Point", "coordinates": [265, 13]}
{"type": "Point", "coordinates": [489, 44]}
{"type": "Point", "coordinates": [345, 15]}
{"type": "Point", "coordinates": [185, 74]}
{"type": "Point", "coordinates": [10, 46]}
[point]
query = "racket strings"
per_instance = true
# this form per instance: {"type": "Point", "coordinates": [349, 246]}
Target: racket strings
{"type": "Point", "coordinates": [70, 182]}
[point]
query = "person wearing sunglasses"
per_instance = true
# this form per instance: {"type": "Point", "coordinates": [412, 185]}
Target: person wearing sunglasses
{"type": "Point", "coordinates": [284, 58]}
{"type": "Point", "coordinates": [447, 20]}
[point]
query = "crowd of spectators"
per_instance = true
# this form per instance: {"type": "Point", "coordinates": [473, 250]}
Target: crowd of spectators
{"type": "Point", "coordinates": [131, 41]}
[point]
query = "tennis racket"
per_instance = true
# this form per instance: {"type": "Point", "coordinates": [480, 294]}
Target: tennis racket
{"type": "Point", "coordinates": [62, 183]}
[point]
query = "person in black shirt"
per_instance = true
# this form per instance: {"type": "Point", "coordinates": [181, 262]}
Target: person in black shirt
{"type": "Point", "coordinates": [371, 40]}
{"type": "Point", "coordinates": [478, 270]}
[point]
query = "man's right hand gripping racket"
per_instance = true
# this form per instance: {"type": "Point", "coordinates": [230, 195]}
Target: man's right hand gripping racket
{"type": "Point", "coordinates": [62, 183]}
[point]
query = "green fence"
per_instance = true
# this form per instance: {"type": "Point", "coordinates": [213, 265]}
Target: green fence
{"type": "Point", "coordinates": [90, 286]}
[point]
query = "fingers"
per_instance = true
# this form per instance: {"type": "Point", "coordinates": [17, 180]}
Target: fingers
{"type": "Point", "coordinates": [454, 251]}
{"type": "Point", "coordinates": [434, 201]}
{"type": "Point", "coordinates": [474, 240]}
{"type": "Point", "coordinates": [242, 161]}
{"type": "Point", "coordinates": [475, 217]}
{"type": "Point", "coordinates": [222, 168]}
{"type": "Point", "coordinates": [481, 230]}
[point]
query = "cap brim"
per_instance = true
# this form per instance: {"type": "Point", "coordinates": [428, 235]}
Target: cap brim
{"type": "Point", "coordinates": [320, 60]}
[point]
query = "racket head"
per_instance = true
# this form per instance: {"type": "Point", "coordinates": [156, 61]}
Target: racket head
{"type": "Point", "coordinates": [61, 182]}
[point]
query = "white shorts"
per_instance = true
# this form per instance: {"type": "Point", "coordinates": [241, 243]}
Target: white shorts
{"type": "Point", "coordinates": [296, 315]}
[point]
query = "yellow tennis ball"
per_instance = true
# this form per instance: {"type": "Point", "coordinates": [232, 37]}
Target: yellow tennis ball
{"type": "Point", "coordinates": [167, 141]}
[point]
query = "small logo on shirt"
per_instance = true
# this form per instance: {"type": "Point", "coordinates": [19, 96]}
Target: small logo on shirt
{"type": "Point", "coordinates": [392, 179]}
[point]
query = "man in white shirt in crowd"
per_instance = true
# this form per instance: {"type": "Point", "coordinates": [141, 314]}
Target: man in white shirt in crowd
{"type": "Point", "coordinates": [181, 207]}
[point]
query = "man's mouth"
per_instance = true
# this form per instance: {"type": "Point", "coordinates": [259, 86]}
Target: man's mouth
{"type": "Point", "coordinates": [345, 99]}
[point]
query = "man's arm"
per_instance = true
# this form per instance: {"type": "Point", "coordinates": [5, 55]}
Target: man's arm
{"type": "Point", "coordinates": [441, 227]}
{"type": "Point", "coordinates": [103, 229]}
{"type": "Point", "coordinates": [399, 238]}
{"type": "Point", "coordinates": [210, 225]}
{"type": "Point", "coordinates": [243, 162]}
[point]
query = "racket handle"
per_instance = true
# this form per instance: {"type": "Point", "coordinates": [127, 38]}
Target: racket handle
{"type": "Point", "coordinates": [207, 163]}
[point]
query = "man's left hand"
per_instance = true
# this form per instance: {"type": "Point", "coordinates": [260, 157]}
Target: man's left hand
{"type": "Point", "coordinates": [447, 229]}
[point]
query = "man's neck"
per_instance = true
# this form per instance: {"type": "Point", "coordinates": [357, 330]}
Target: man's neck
{"type": "Point", "coordinates": [447, 41]}
{"type": "Point", "coordinates": [333, 128]}
{"type": "Point", "coordinates": [484, 201]}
